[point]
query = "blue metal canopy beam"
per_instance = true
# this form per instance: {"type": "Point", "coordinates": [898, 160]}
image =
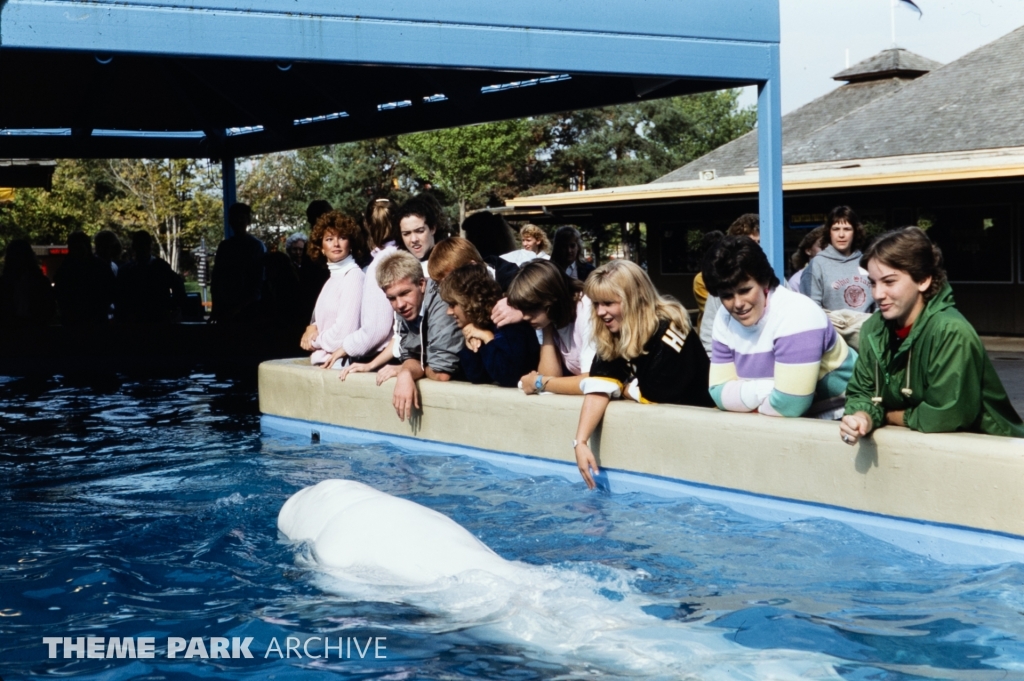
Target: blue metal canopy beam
{"type": "Point", "coordinates": [230, 78]}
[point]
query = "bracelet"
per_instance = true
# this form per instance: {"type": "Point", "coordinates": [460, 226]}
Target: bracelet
{"type": "Point", "coordinates": [538, 384]}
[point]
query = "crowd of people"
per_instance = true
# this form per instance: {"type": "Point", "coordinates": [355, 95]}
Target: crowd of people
{"type": "Point", "coordinates": [864, 335]}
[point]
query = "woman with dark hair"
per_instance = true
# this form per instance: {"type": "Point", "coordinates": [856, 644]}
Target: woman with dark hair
{"type": "Point", "coordinates": [835, 279]}
{"type": "Point", "coordinates": [809, 247]}
{"type": "Point", "coordinates": [922, 364]}
{"type": "Point", "coordinates": [491, 354]}
{"type": "Point", "coordinates": [567, 253]}
{"type": "Point", "coordinates": [338, 240]}
{"type": "Point", "coordinates": [553, 303]}
{"type": "Point", "coordinates": [493, 238]}
{"type": "Point", "coordinates": [772, 351]}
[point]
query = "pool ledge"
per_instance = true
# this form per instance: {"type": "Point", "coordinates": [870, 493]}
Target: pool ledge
{"type": "Point", "coordinates": [959, 480]}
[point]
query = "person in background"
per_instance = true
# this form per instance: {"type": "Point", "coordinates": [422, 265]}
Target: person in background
{"type": "Point", "coordinates": [493, 238]}
{"type": "Point", "coordinates": [312, 275]}
{"type": "Point", "coordinates": [491, 354]}
{"type": "Point", "coordinates": [83, 285]}
{"type": "Point", "coordinates": [26, 295]}
{"type": "Point", "coordinates": [282, 293]}
{"type": "Point", "coordinates": [295, 247]}
{"type": "Point", "coordinates": [535, 245]}
{"type": "Point", "coordinates": [567, 253]}
{"type": "Point", "coordinates": [834, 278]}
{"type": "Point", "coordinates": [428, 341]}
{"type": "Point", "coordinates": [645, 351]}
{"type": "Point", "coordinates": [921, 362]}
{"type": "Point", "coordinates": [809, 247]}
{"type": "Point", "coordinates": [553, 303]}
{"type": "Point", "coordinates": [148, 290]}
{"type": "Point", "coordinates": [339, 241]}
{"type": "Point", "coordinates": [417, 222]}
{"type": "Point", "coordinates": [700, 291]}
{"type": "Point", "coordinates": [773, 351]}
{"type": "Point", "coordinates": [748, 224]}
{"type": "Point", "coordinates": [108, 249]}
{"type": "Point", "coordinates": [237, 278]}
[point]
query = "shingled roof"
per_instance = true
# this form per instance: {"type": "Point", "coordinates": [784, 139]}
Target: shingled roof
{"type": "Point", "coordinates": [974, 103]}
{"type": "Point", "coordinates": [797, 126]}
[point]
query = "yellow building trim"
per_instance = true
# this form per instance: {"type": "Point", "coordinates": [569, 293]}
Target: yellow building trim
{"type": "Point", "coordinates": [838, 179]}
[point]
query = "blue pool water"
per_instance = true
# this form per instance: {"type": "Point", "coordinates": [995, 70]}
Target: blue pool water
{"type": "Point", "coordinates": [147, 508]}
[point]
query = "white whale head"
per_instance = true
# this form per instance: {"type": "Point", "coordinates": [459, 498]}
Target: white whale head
{"type": "Point", "coordinates": [374, 537]}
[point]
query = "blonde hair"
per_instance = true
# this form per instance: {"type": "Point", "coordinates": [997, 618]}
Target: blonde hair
{"type": "Point", "coordinates": [538, 234]}
{"type": "Point", "coordinates": [450, 254]}
{"type": "Point", "coordinates": [398, 266]}
{"type": "Point", "coordinates": [642, 309]}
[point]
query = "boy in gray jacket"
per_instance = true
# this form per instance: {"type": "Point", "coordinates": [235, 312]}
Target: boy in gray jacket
{"type": "Point", "coordinates": [429, 340]}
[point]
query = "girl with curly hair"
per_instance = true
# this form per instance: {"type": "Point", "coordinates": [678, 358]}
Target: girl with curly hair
{"type": "Point", "coordinates": [646, 351]}
{"type": "Point", "coordinates": [339, 241]}
{"type": "Point", "coordinates": [492, 354]}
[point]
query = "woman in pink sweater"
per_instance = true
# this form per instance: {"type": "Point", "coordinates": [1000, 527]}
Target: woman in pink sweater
{"type": "Point", "coordinates": [337, 239]}
{"type": "Point", "coordinates": [376, 318]}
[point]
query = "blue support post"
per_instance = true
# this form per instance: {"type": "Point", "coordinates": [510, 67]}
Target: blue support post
{"type": "Point", "coordinates": [228, 180]}
{"type": "Point", "coordinates": [769, 164]}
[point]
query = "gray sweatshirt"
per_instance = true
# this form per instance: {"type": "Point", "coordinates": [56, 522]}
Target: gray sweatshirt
{"type": "Point", "coordinates": [836, 282]}
{"type": "Point", "coordinates": [443, 336]}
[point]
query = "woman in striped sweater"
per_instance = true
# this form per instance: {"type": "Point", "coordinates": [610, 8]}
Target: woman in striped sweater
{"type": "Point", "coordinates": [773, 351]}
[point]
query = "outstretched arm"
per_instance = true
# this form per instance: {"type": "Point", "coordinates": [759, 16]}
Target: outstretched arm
{"type": "Point", "coordinates": [594, 406]}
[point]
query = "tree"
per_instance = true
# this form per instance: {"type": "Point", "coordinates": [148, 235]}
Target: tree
{"type": "Point", "coordinates": [467, 162]}
{"type": "Point", "coordinates": [75, 202]}
{"type": "Point", "coordinates": [635, 144]}
{"type": "Point", "coordinates": [175, 200]}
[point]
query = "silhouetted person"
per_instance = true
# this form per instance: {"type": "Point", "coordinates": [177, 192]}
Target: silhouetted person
{"type": "Point", "coordinates": [26, 296]}
{"type": "Point", "coordinates": [282, 294]}
{"type": "Point", "coordinates": [84, 286]}
{"type": "Point", "coordinates": [148, 290]}
{"type": "Point", "coordinates": [312, 275]}
{"type": "Point", "coordinates": [108, 249]}
{"type": "Point", "coordinates": [237, 279]}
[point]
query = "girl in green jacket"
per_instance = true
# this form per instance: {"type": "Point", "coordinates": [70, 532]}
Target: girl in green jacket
{"type": "Point", "coordinates": [921, 363]}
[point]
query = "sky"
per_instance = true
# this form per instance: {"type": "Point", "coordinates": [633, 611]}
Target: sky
{"type": "Point", "coordinates": [816, 35]}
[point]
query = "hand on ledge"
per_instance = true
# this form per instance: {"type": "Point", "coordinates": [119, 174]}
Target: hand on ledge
{"type": "Point", "coordinates": [854, 426]}
{"type": "Point", "coordinates": [387, 372]}
{"type": "Point", "coordinates": [335, 356]}
{"type": "Point", "coordinates": [354, 369]}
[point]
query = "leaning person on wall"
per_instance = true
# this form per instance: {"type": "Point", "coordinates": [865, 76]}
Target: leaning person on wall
{"type": "Point", "coordinates": [428, 340]}
{"type": "Point", "coordinates": [645, 351]}
{"type": "Point", "coordinates": [773, 351]}
{"type": "Point", "coordinates": [921, 362]}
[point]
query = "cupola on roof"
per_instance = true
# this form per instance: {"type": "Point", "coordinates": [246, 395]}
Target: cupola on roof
{"type": "Point", "coordinates": [895, 62]}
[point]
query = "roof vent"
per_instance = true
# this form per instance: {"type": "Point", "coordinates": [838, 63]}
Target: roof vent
{"type": "Point", "coordinates": [707, 175]}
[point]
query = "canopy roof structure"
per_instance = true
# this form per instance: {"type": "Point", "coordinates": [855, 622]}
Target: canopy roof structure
{"type": "Point", "coordinates": [230, 78]}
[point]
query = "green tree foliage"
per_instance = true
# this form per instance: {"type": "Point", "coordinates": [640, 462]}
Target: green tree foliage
{"type": "Point", "coordinates": [467, 163]}
{"type": "Point", "coordinates": [175, 200]}
{"type": "Point", "coordinates": [75, 202]}
{"type": "Point", "coordinates": [178, 201]}
{"type": "Point", "coordinates": [635, 144]}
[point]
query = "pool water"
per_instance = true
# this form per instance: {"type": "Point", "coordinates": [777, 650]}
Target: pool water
{"type": "Point", "coordinates": [144, 507]}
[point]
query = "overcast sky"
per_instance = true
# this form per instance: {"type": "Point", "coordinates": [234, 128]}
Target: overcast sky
{"type": "Point", "coordinates": [817, 33]}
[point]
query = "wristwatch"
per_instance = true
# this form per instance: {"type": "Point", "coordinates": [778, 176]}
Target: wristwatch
{"type": "Point", "coordinates": [538, 384]}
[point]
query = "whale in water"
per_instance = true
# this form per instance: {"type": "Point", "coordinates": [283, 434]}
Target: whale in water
{"type": "Point", "coordinates": [374, 537]}
{"type": "Point", "coordinates": [370, 546]}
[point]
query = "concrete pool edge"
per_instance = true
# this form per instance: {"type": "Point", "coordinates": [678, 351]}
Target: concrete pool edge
{"type": "Point", "coordinates": [929, 491]}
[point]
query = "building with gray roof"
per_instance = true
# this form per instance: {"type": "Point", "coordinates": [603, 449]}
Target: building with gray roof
{"type": "Point", "coordinates": [904, 140]}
